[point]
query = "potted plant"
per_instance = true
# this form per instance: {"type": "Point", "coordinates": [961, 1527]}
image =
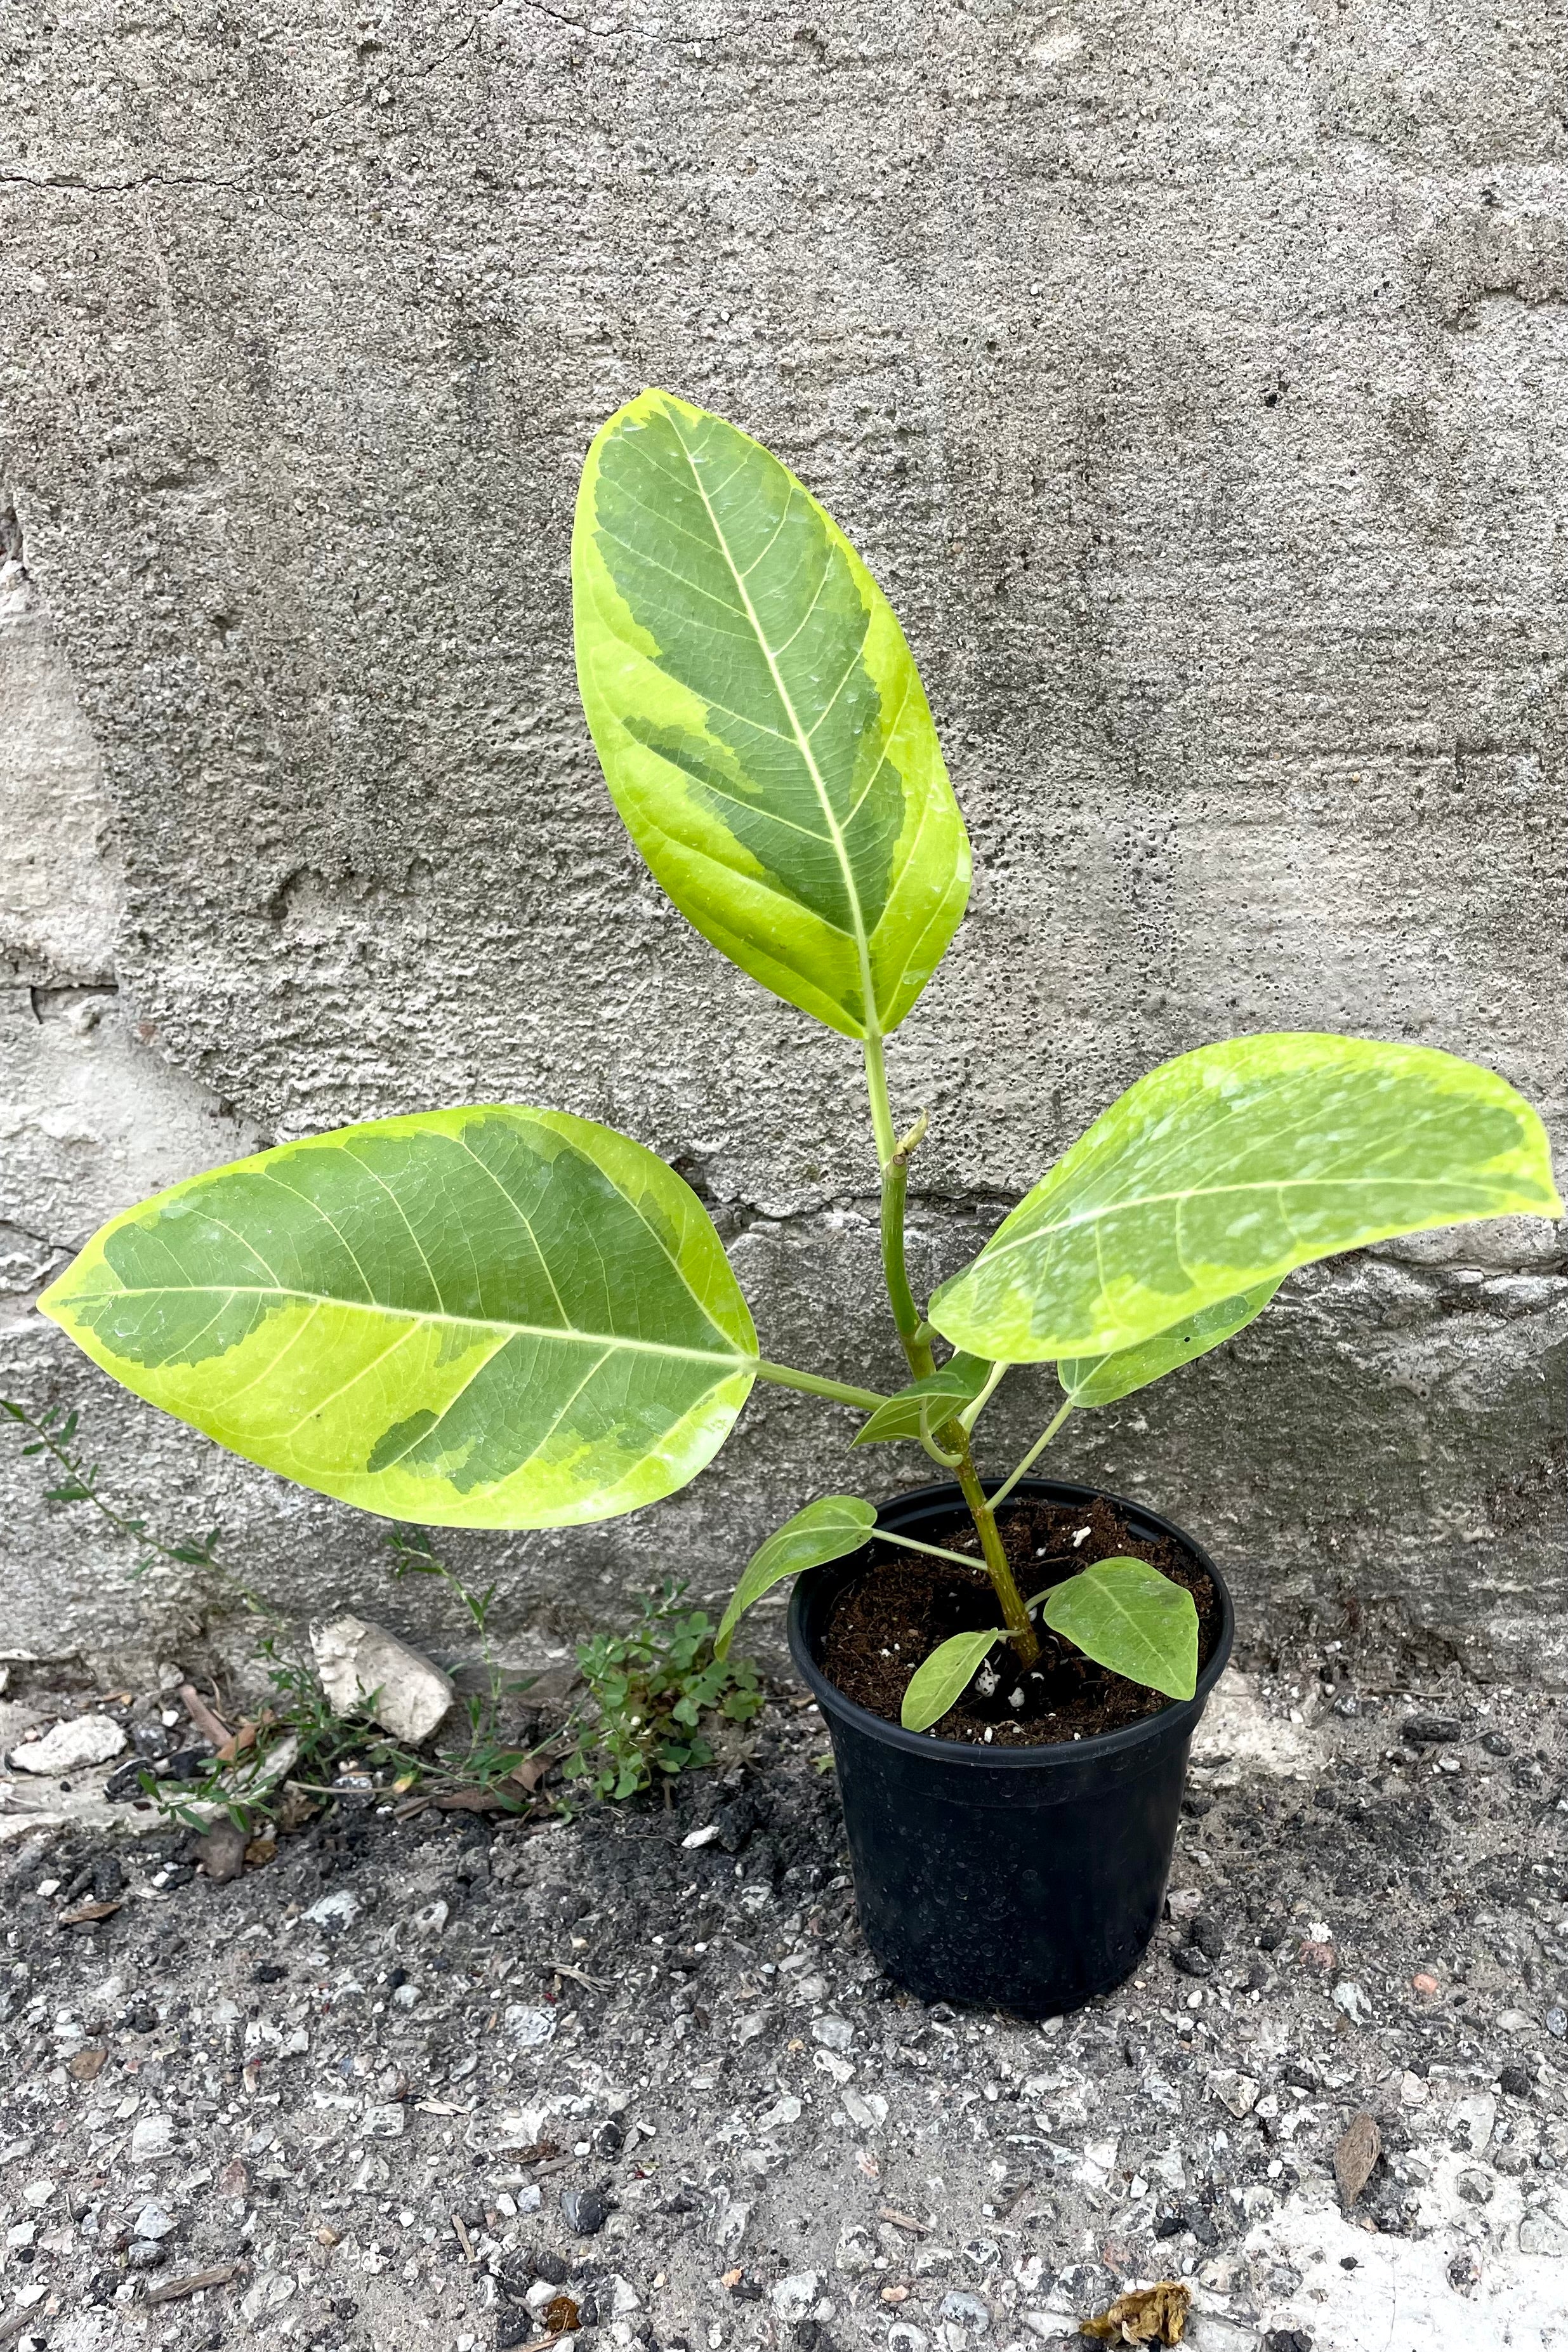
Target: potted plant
{"type": "Point", "coordinates": [502, 1316]}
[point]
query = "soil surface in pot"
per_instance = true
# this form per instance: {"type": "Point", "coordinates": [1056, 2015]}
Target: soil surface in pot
{"type": "Point", "coordinates": [893, 1616]}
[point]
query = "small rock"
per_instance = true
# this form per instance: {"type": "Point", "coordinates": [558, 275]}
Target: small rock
{"type": "Point", "coordinates": [1496, 1744]}
{"type": "Point", "coordinates": [1557, 2023]}
{"type": "Point", "coordinates": [233, 2180]}
{"type": "Point", "coordinates": [152, 2137]}
{"type": "Point", "coordinates": [1515, 2082]}
{"type": "Point", "coordinates": [695, 1838]}
{"type": "Point", "coordinates": [1209, 1934]}
{"type": "Point", "coordinates": [530, 2028]}
{"type": "Point", "coordinates": [832, 2032]}
{"type": "Point", "coordinates": [1540, 2234]}
{"type": "Point", "coordinates": [1475, 2187]}
{"type": "Point", "coordinates": [1430, 1730]}
{"type": "Point", "coordinates": [1425, 1985]}
{"type": "Point", "coordinates": [1358, 2148]}
{"type": "Point", "coordinates": [1238, 2093]}
{"type": "Point", "coordinates": [221, 1851]}
{"type": "Point", "coordinates": [153, 2221]}
{"type": "Point", "coordinates": [586, 2211]}
{"type": "Point", "coordinates": [366, 1670]}
{"type": "Point", "coordinates": [1413, 2091]}
{"type": "Point", "coordinates": [145, 2255]}
{"type": "Point", "coordinates": [1287, 2339]}
{"type": "Point", "coordinates": [336, 1911]}
{"type": "Point", "coordinates": [1190, 1961]}
{"type": "Point", "coordinates": [86, 1739]}
{"type": "Point", "coordinates": [961, 2309]}
{"type": "Point", "coordinates": [1350, 1998]}
{"type": "Point", "coordinates": [608, 2139]}
{"type": "Point", "coordinates": [386, 2122]}
{"type": "Point", "coordinates": [793, 2297]}
{"type": "Point", "coordinates": [431, 1918]}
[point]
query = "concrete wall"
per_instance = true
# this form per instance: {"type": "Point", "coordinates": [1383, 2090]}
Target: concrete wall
{"type": "Point", "coordinates": [1195, 379]}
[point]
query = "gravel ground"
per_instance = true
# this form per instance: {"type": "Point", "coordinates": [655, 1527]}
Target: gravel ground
{"type": "Point", "coordinates": [434, 2081]}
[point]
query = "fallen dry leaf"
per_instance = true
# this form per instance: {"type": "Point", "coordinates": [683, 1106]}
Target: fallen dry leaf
{"type": "Point", "coordinates": [1150, 2315]}
{"type": "Point", "coordinates": [471, 1800]}
{"type": "Point", "coordinates": [1358, 2148]}
{"type": "Point", "coordinates": [534, 1769]}
{"type": "Point", "coordinates": [561, 2315]}
{"type": "Point", "coordinates": [260, 1852]}
{"type": "Point", "coordinates": [172, 2290]}
{"type": "Point", "coordinates": [85, 1912]}
{"type": "Point", "coordinates": [902, 2220]}
{"type": "Point", "coordinates": [210, 1725]}
{"type": "Point", "coordinates": [87, 2064]}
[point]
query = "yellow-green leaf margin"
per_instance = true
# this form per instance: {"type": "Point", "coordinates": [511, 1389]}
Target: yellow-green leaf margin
{"type": "Point", "coordinates": [495, 1317]}
{"type": "Point", "coordinates": [759, 719]}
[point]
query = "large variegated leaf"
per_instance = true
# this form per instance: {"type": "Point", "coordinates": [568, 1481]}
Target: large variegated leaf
{"type": "Point", "coordinates": [1225, 1169]}
{"type": "Point", "coordinates": [761, 720]}
{"type": "Point", "coordinates": [1104, 1379]}
{"type": "Point", "coordinates": [485, 1317]}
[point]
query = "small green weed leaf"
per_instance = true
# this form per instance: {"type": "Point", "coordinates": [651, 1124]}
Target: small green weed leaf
{"type": "Point", "coordinates": [759, 719]}
{"type": "Point", "coordinates": [1126, 1616]}
{"type": "Point", "coordinates": [945, 1674]}
{"type": "Point", "coordinates": [485, 1318]}
{"type": "Point", "coordinates": [1103, 1379]}
{"type": "Point", "coordinates": [824, 1531]}
{"type": "Point", "coordinates": [952, 1385]}
{"type": "Point", "coordinates": [1223, 1170]}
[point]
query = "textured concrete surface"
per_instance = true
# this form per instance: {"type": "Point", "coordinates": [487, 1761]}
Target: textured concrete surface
{"type": "Point", "coordinates": [412, 2073]}
{"type": "Point", "coordinates": [1196, 381]}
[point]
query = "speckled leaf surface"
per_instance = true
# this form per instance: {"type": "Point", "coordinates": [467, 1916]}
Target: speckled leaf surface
{"type": "Point", "coordinates": [759, 719]}
{"type": "Point", "coordinates": [485, 1317]}
{"type": "Point", "coordinates": [1226, 1168]}
{"type": "Point", "coordinates": [1103, 1380]}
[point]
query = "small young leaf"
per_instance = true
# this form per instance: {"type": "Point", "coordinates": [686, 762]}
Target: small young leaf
{"type": "Point", "coordinates": [824, 1530]}
{"type": "Point", "coordinates": [951, 1385]}
{"type": "Point", "coordinates": [1103, 1380]}
{"type": "Point", "coordinates": [945, 1674]}
{"type": "Point", "coordinates": [1126, 1616]}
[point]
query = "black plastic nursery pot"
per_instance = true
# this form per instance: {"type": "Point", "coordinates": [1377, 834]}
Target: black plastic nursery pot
{"type": "Point", "coordinates": [1025, 1878]}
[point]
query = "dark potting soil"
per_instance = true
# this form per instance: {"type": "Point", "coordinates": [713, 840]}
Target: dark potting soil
{"type": "Point", "coordinates": [892, 1615]}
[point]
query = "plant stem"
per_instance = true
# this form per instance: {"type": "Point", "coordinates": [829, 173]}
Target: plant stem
{"type": "Point", "coordinates": [1022, 1633]}
{"type": "Point", "coordinates": [952, 1436]}
{"type": "Point", "coordinates": [1031, 1458]}
{"type": "Point", "coordinates": [784, 1376]}
{"type": "Point", "coordinates": [893, 1164]}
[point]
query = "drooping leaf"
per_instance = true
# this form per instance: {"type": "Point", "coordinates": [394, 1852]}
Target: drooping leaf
{"type": "Point", "coordinates": [1225, 1169]}
{"type": "Point", "coordinates": [759, 719]}
{"type": "Point", "coordinates": [483, 1317]}
{"type": "Point", "coordinates": [824, 1531]}
{"type": "Point", "coordinates": [1103, 1379]}
{"type": "Point", "coordinates": [1126, 1616]}
{"type": "Point", "coordinates": [956, 1383]}
{"type": "Point", "coordinates": [944, 1677]}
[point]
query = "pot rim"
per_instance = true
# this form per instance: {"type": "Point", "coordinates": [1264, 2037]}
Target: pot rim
{"type": "Point", "coordinates": [1176, 1715]}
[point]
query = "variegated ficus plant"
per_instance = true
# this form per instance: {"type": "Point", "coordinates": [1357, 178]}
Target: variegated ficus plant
{"type": "Point", "coordinates": [510, 1317]}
